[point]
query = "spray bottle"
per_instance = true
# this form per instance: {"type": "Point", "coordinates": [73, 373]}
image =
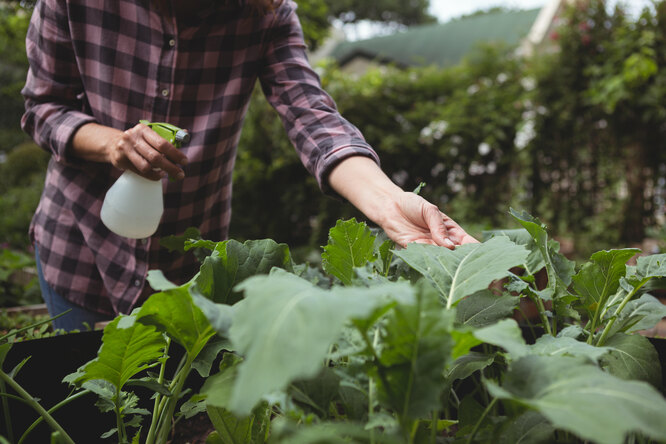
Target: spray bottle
{"type": "Point", "coordinates": [133, 206]}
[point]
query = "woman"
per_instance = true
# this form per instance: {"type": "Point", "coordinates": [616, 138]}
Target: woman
{"type": "Point", "coordinates": [98, 67]}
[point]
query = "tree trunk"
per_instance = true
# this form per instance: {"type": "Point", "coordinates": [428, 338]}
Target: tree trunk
{"type": "Point", "coordinates": [636, 175]}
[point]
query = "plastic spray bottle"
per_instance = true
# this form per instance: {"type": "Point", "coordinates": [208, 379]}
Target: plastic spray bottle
{"type": "Point", "coordinates": [133, 206]}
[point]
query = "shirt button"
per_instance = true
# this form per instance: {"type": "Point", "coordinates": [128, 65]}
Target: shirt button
{"type": "Point", "coordinates": [165, 92]}
{"type": "Point", "coordinates": [172, 42]}
{"type": "Point", "coordinates": [137, 283]}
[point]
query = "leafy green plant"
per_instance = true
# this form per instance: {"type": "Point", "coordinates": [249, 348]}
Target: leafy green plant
{"type": "Point", "coordinates": [391, 359]}
{"type": "Point", "coordinates": [392, 345]}
{"type": "Point", "coordinates": [18, 282]}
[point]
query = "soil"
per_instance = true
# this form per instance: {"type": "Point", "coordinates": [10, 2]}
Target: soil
{"type": "Point", "coordinates": [194, 430]}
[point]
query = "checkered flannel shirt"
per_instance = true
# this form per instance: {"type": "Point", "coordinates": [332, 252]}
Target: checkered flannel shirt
{"type": "Point", "coordinates": [117, 62]}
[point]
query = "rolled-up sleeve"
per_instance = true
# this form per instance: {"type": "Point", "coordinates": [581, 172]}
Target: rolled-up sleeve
{"type": "Point", "coordinates": [53, 93]}
{"type": "Point", "coordinates": [319, 133]}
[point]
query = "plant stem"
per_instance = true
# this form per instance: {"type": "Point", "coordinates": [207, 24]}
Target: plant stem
{"type": "Point", "coordinates": [480, 420]}
{"type": "Point", "coordinates": [51, 410]}
{"type": "Point", "coordinates": [414, 429]}
{"type": "Point", "coordinates": [542, 315]}
{"type": "Point", "coordinates": [380, 367]}
{"type": "Point", "coordinates": [120, 425]}
{"type": "Point", "coordinates": [5, 410]}
{"type": "Point", "coordinates": [175, 389]}
{"type": "Point", "coordinates": [593, 324]}
{"type": "Point", "coordinates": [625, 301]}
{"type": "Point", "coordinates": [158, 398]}
{"type": "Point", "coordinates": [36, 406]}
{"type": "Point", "coordinates": [433, 427]}
{"type": "Point", "coordinates": [371, 391]}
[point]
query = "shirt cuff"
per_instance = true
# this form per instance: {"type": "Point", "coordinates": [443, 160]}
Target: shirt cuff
{"type": "Point", "coordinates": [333, 159]}
{"type": "Point", "coordinates": [63, 133]}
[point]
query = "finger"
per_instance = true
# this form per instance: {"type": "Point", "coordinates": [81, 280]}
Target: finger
{"type": "Point", "coordinates": [170, 152]}
{"type": "Point", "coordinates": [456, 233]}
{"type": "Point", "coordinates": [139, 165]}
{"type": "Point", "coordinates": [438, 230]}
{"type": "Point", "coordinates": [157, 160]}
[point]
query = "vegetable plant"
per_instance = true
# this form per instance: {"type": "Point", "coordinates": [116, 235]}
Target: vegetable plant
{"type": "Point", "coordinates": [383, 345]}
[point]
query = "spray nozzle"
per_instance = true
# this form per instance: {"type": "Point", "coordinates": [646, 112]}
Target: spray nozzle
{"type": "Point", "coordinates": [176, 136]}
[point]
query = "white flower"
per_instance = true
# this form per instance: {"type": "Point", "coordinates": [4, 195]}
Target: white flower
{"type": "Point", "coordinates": [484, 148]}
{"type": "Point", "coordinates": [425, 136]}
{"type": "Point", "coordinates": [525, 135]}
{"type": "Point", "coordinates": [501, 78]}
{"type": "Point", "coordinates": [476, 169]}
{"type": "Point", "coordinates": [439, 128]}
{"type": "Point", "coordinates": [528, 83]}
{"type": "Point", "coordinates": [529, 114]}
{"type": "Point", "coordinates": [472, 89]}
{"type": "Point", "coordinates": [434, 131]}
{"type": "Point", "coordinates": [437, 169]}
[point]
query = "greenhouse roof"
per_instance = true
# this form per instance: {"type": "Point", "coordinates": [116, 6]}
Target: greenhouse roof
{"type": "Point", "coordinates": [440, 44]}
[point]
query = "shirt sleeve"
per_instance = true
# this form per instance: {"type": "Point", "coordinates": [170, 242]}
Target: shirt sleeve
{"type": "Point", "coordinates": [319, 133]}
{"type": "Point", "coordinates": [53, 93]}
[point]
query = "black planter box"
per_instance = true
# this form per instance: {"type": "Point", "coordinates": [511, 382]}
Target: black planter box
{"type": "Point", "coordinates": [53, 358]}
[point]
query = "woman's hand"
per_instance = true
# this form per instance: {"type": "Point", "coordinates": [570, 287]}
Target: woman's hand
{"type": "Point", "coordinates": [413, 219]}
{"type": "Point", "coordinates": [404, 216]}
{"type": "Point", "coordinates": [139, 149]}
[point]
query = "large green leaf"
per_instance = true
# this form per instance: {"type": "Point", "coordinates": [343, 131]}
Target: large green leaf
{"type": "Point", "coordinates": [327, 433]}
{"type": "Point", "coordinates": [505, 334]}
{"type": "Point", "coordinates": [600, 278]}
{"type": "Point", "coordinates": [528, 428]}
{"type": "Point", "coordinates": [128, 348]}
{"type": "Point", "coordinates": [548, 345]}
{"type": "Point", "coordinates": [285, 325]}
{"type": "Point", "coordinates": [463, 367]}
{"type": "Point", "coordinates": [632, 357]}
{"type": "Point", "coordinates": [484, 308]}
{"type": "Point", "coordinates": [581, 398]}
{"type": "Point", "coordinates": [467, 269]}
{"type": "Point", "coordinates": [534, 261]}
{"type": "Point", "coordinates": [175, 313]}
{"type": "Point", "coordinates": [350, 245]}
{"type": "Point", "coordinates": [217, 390]}
{"type": "Point", "coordinates": [653, 266]}
{"type": "Point", "coordinates": [640, 314]}
{"type": "Point", "coordinates": [232, 262]}
{"type": "Point", "coordinates": [418, 348]}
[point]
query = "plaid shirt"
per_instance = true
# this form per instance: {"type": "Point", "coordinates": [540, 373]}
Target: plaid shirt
{"type": "Point", "coordinates": [117, 62]}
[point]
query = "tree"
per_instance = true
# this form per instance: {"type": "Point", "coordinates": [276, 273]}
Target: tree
{"type": "Point", "coordinates": [412, 12]}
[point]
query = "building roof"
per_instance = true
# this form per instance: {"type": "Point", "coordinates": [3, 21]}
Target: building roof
{"type": "Point", "coordinates": [442, 44]}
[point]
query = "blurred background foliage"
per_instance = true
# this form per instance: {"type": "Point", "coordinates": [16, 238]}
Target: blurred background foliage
{"type": "Point", "coordinates": [576, 137]}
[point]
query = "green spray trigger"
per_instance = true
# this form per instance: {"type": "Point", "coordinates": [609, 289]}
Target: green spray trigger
{"type": "Point", "coordinates": [174, 135]}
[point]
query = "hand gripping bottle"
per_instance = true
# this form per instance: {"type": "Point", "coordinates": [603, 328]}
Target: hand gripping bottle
{"type": "Point", "coordinates": [133, 206]}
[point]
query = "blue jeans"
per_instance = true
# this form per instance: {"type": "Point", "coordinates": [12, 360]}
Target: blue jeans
{"type": "Point", "coordinates": [77, 318]}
